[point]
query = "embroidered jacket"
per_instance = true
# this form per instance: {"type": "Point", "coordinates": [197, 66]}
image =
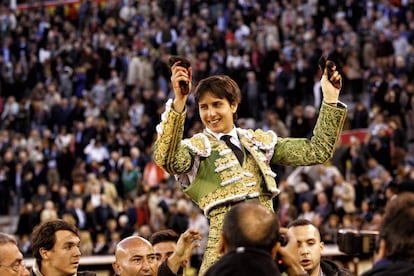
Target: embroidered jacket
{"type": "Point", "coordinates": [209, 171]}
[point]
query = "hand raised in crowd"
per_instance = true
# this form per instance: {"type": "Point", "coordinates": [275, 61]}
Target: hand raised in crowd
{"type": "Point", "coordinates": [288, 254]}
{"type": "Point", "coordinates": [184, 249]}
{"type": "Point", "coordinates": [291, 262]}
{"type": "Point", "coordinates": [181, 74]}
{"type": "Point", "coordinates": [331, 81]}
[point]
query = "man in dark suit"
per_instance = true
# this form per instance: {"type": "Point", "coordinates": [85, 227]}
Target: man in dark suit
{"type": "Point", "coordinates": [304, 241]}
{"type": "Point", "coordinates": [395, 254]}
{"type": "Point", "coordinates": [79, 213]}
{"type": "Point", "coordinates": [250, 242]}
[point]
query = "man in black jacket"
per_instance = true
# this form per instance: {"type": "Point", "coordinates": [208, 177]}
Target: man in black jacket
{"type": "Point", "coordinates": [304, 240]}
{"type": "Point", "coordinates": [395, 255]}
{"type": "Point", "coordinates": [250, 242]}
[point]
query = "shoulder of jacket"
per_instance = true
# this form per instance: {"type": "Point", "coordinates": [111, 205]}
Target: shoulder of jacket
{"type": "Point", "coordinates": [199, 144]}
{"type": "Point", "coordinates": [265, 140]}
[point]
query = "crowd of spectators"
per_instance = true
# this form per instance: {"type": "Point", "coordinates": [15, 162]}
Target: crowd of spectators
{"type": "Point", "coordinates": [82, 89]}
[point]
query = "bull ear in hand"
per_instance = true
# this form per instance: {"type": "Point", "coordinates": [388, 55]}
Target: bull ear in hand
{"type": "Point", "coordinates": [183, 62]}
{"type": "Point", "coordinates": [330, 66]}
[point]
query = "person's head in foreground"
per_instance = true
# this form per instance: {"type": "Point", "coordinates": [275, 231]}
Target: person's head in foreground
{"type": "Point", "coordinates": [395, 254]}
{"type": "Point", "coordinates": [249, 242]}
{"type": "Point", "coordinates": [250, 225]}
{"type": "Point", "coordinates": [55, 246]}
{"type": "Point", "coordinates": [164, 243]}
{"type": "Point", "coordinates": [11, 259]}
{"type": "Point", "coordinates": [135, 256]}
{"type": "Point", "coordinates": [304, 237]}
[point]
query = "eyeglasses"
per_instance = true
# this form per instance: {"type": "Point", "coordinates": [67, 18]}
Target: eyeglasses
{"type": "Point", "coordinates": [16, 266]}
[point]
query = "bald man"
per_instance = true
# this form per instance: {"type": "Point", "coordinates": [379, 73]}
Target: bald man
{"type": "Point", "coordinates": [135, 256]}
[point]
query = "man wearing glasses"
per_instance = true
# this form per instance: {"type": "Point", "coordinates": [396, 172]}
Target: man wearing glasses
{"type": "Point", "coordinates": [11, 259]}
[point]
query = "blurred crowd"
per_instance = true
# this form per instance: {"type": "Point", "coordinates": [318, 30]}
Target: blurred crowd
{"type": "Point", "coordinates": [82, 89]}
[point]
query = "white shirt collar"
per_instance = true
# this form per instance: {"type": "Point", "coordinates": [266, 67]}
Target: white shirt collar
{"type": "Point", "coordinates": [36, 269]}
{"type": "Point", "coordinates": [233, 133]}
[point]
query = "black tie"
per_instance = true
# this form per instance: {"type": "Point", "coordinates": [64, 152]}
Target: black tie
{"type": "Point", "coordinates": [237, 151]}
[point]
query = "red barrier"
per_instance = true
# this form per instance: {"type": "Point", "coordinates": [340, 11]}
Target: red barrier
{"type": "Point", "coordinates": [49, 4]}
{"type": "Point", "coordinates": [358, 133]}
{"type": "Point", "coordinates": [45, 4]}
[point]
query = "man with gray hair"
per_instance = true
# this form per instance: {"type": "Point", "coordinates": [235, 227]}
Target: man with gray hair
{"type": "Point", "coordinates": [11, 259]}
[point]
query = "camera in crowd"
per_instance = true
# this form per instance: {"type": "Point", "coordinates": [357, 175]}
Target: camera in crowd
{"type": "Point", "coordinates": [279, 262]}
{"type": "Point", "coordinates": [357, 243]}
